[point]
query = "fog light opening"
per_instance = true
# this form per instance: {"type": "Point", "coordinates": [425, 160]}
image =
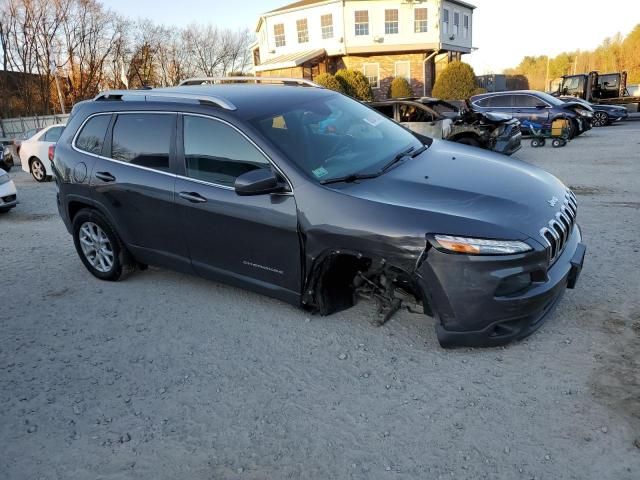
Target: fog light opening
{"type": "Point", "coordinates": [514, 284]}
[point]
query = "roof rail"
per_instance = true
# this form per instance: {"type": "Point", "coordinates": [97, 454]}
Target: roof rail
{"type": "Point", "coordinates": [149, 95]}
{"type": "Point", "coordinates": [301, 82]}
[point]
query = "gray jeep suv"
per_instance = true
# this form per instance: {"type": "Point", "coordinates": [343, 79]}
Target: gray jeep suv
{"type": "Point", "coordinates": [308, 196]}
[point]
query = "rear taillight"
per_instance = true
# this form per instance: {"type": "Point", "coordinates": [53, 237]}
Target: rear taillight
{"type": "Point", "coordinates": [52, 151]}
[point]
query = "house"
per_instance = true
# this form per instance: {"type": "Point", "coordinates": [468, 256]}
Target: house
{"type": "Point", "coordinates": [384, 39]}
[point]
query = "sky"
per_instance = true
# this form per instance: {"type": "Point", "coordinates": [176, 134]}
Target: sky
{"type": "Point", "coordinates": [504, 30]}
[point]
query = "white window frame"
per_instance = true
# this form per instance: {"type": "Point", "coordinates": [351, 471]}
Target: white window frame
{"type": "Point", "coordinates": [395, 69]}
{"type": "Point", "coordinates": [418, 24]}
{"type": "Point", "coordinates": [327, 30]}
{"type": "Point", "coordinates": [392, 27]}
{"type": "Point", "coordinates": [303, 35]}
{"type": "Point", "coordinates": [364, 71]}
{"type": "Point", "coordinates": [361, 24]}
{"type": "Point", "coordinates": [276, 36]}
{"type": "Point", "coordinates": [465, 28]}
{"type": "Point", "coordinates": [445, 20]}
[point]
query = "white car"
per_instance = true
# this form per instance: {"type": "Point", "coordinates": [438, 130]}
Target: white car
{"type": "Point", "coordinates": [8, 194]}
{"type": "Point", "coordinates": [34, 152]}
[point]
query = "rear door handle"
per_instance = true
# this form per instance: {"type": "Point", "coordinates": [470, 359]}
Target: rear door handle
{"type": "Point", "coordinates": [192, 197]}
{"type": "Point", "coordinates": [105, 176]}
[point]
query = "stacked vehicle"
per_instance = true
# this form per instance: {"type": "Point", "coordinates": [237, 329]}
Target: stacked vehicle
{"type": "Point", "coordinates": [437, 118]}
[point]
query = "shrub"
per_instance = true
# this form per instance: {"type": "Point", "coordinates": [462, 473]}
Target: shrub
{"type": "Point", "coordinates": [329, 81]}
{"type": "Point", "coordinates": [400, 88]}
{"type": "Point", "coordinates": [456, 82]}
{"type": "Point", "coordinates": [355, 84]}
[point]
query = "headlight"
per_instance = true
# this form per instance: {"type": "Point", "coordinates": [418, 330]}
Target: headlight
{"type": "Point", "coordinates": [583, 112]}
{"type": "Point", "coordinates": [4, 179]}
{"type": "Point", "coordinates": [480, 246]}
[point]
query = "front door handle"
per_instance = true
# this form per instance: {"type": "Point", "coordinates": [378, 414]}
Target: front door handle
{"type": "Point", "coordinates": [192, 197]}
{"type": "Point", "coordinates": [105, 176]}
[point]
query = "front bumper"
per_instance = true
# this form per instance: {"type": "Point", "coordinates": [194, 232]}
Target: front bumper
{"type": "Point", "coordinates": [508, 143]}
{"type": "Point", "coordinates": [8, 196]}
{"type": "Point", "coordinates": [461, 291]}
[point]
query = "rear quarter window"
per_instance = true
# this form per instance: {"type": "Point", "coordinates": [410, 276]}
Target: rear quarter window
{"type": "Point", "coordinates": [91, 137]}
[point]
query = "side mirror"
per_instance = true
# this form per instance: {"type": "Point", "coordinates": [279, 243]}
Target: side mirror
{"type": "Point", "coordinates": [257, 182]}
{"type": "Point", "coordinates": [541, 106]}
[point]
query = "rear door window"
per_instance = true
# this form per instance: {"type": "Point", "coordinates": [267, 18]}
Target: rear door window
{"type": "Point", "coordinates": [217, 153]}
{"type": "Point", "coordinates": [526, 101]}
{"type": "Point", "coordinates": [386, 110]}
{"type": "Point", "coordinates": [53, 134]}
{"type": "Point", "coordinates": [91, 137]}
{"type": "Point", "coordinates": [501, 101]}
{"type": "Point", "coordinates": [143, 139]}
{"type": "Point", "coordinates": [412, 113]}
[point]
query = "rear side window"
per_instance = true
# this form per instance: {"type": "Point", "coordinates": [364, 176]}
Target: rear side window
{"type": "Point", "coordinates": [386, 110]}
{"type": "Point", "coordinates": [216, 153]}
{"type": "Point", "coordinates": [53, 134]}
{"type": "Point", "coordinates": [527, 101]}
{"type": "Point", "coordinates": [91, 137]}
{"type": "Point", "coordinates": [143, 139]}
{"type": "Point", "coordinates": [411, 113]}
{"type": "Point", "coordinates": [500, 101]}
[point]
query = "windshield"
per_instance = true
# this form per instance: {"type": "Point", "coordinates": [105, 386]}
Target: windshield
{"type": "Point", "coordinates": [549, 98]}
{"type": "Point", "coordinates": [334, 137]}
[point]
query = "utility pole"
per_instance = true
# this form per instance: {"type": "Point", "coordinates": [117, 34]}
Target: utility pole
{"type": "Point", "coordinates": [546, 76]}
{"type": "Point", "coordinates": [54, 69]}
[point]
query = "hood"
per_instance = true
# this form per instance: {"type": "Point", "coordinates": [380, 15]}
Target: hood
{"type": "Point", "coordinates": [481, 193]}
{"type": "Point", "coordinates": [573, 105]}
{"type": "Point", "coordinates": [609, 108]}
{"type": "Point", "coordinates": [497, 117]}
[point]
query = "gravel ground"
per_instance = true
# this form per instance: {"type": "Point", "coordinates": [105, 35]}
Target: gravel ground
{"type": "Point", "coordinates": [171, 376]}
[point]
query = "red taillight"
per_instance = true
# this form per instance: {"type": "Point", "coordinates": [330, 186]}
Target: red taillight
{"type": "Point", "coordinates": [52, 151]}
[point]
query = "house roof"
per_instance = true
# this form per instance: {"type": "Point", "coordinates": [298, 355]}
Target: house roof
{"type": "Point", "coordinates": [289, 60]}
{"type": "Point", "coordinates": [298, 4]}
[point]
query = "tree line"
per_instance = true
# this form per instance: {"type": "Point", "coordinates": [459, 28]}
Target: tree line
{"type": "Point", "coordinates": [615, 54]}
{"type": "Point", "coordinates": [62, 51]}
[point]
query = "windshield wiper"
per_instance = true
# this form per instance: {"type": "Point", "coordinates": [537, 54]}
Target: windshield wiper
{"type": "Point", "coordinates": [352, 177]}
{"type": "Point", "coordinates": [409, 152]}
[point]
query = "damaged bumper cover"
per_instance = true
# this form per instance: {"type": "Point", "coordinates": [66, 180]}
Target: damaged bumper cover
{"type": "Point", "coordinates": [484, 301]}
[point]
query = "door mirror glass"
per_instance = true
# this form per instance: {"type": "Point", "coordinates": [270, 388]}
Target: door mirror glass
{"type": "Point", "coordinates": [257, 182]}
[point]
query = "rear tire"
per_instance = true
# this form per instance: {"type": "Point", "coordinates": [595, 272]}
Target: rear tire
{"type": "Point", "coordinates": [99, 246]}
{"type": "Point", "coordinates": [38, 171]}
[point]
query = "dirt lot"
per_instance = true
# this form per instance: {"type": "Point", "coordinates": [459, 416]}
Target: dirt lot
{"type": "Point", "coordinates": [170, 376]}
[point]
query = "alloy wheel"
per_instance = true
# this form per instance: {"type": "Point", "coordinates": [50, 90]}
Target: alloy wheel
{"type": "Point", "coordinates": [600, 119]}
{"type": "Point", "coordinates": [96, 247]}
{"type": "Point", "coordinates": [37, 170]}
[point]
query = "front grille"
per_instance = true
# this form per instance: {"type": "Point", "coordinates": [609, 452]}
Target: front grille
{"type": "Point", "coordinates": [515, 130]}
{"type": "Point", "coordinates": [8, 198]}
{"type": "Point", "coordinates": [557, 232]}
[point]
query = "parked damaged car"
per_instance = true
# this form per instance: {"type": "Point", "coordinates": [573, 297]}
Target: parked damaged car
{"type": "Point", "coordinates": [437, 118]}
{"type": "Point", "coordinates": [248, 185]}
{"type": "Point", "coordinates": [603, 115]}
{"type": "Point", "coordinates": [537, 108]}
